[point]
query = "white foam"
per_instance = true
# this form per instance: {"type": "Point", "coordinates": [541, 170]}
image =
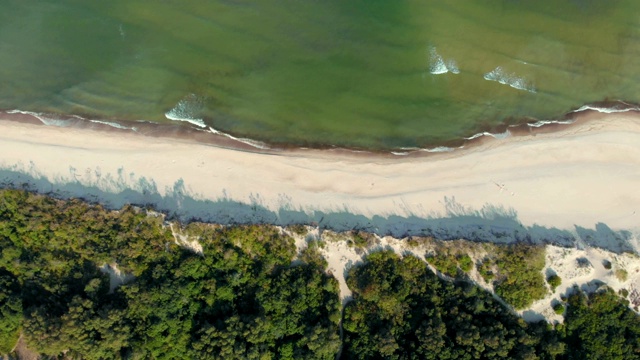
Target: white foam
{"type": "Point", "coordinates": [16, 111]}
{"type": "Point", "coordinates": [186, 110]}
{"type": "Point", "coordinates": [437, 64]}
{"type": "Point", "coordinates": [254, 143]}
{"type": "Point", "coordinates": [112, 124]}
{"type": "Point", "coordinates": [440, 149]}
{"type": "Point", "coordinates": [541, 123]}
{"type": "Point", "coordinates": [197, 122]}
{"type": "Point", "coordinates": [498, 74]}
{"type": "Point", "coordinates": [49, 121]}
{"type": "Point", "coordinates": [503, 135]}
{"type": "Point", "coordinates": [453, 66]}
{"type": "Point", "coordinates": [437, 149]}
{"type": "Point", "coordinates": [478, 135]}
{"type": "Point", "coordinates": [605, 110]}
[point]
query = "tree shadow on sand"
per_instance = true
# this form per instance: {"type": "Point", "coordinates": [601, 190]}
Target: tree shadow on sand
{"type": "Point", "coordinates": [489, 224]}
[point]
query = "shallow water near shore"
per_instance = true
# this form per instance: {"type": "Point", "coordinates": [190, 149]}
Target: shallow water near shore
{"type": "Point", "coordinates": [360, 74]}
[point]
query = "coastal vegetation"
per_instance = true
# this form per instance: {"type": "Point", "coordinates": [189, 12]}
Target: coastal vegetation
{"type": "Point", "coordinates": [485, 270]}
{"type": "Point", "coordinates": [600, 326]}
{"type": "Point", "coordinates": [554, 281]}
{"type": "Point", "coordinates": [558, 308]}
{"type": "Point", "coordinates": [621, 274]}
{"type": "Point", "coordinates": [449, 262]}
{"type": "Point", "coordinates": [520, 281]}
{"type": "Point", "coordinates": [240, 298]}
{"type": "Point", "coordinates": [403, 310]}
{"type": "Point", "coordinates": [10, 311]}
{"type": "Point", "coordinates": [80, 281]}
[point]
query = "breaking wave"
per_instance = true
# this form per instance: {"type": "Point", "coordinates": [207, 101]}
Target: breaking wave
{"type": "Point", "coordinates": [500, 75]}
{"type": "Point", "coordinates": [437, 149]}
{"type": "Point", "coordinates": [187, 110]}
{"type": "Point", "coordinates": [503, 135]}
{"type": "Point", "coordinates": [437, 65]}
{"type": "Point", "coordinates": [47, 119]}
{"type": "Point", "coordinates": [113, 124]}
{"type": "Point", "coordinates": [250, 142]}
{"type": "Point", "coordinates": [51, 120]}
{"type": "Point", "coordinates": [541, 123]}
{"type": "Point", "coordinates": [607, 110]}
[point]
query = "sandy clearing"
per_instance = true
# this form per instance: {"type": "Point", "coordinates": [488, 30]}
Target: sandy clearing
{"type": "Point", "coordinates": [587, 274]}
{"type": "Point", "coordinates": [581, 268]}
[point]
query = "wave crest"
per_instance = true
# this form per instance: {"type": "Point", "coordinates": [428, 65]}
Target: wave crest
{"type": "Point", "coordinates": [437, 65]}
{"type": "Point", "coordinates": [46, 119]}
{"type": "Point", "coordinates": [187, 110]}
{"type": "Point", "coordinates": [250, 142]}
{"type": "Point", "coordinates": [606, 110]}
{"type": "Point", "coordinates": [500, 75]}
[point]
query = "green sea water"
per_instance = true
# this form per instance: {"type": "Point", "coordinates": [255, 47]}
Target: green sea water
{"type": "Point", "coordinates": [377, 74]}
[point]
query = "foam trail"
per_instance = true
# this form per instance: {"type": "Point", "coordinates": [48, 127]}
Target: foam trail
{"type": "Point", "coordinates": [498, 74]}
{"type": "Point", "coordinates": [437, 64]}
{"type": "Point", "coordinates": [440, 149]}
{"type": "Point", "coordinates": [49, 121]}
{"type": "Point", "coordinates": [254, 143]}
{"type": "Point", "coordinates": [541, 123]}
{"type": "Point", "coordinates": [475, 136]}
{"type": "Point", "coordinates": [453, 66]}
{"type": "Point", "coordinates": [112, 124]}
{"type": "Point", "coordinates": [503, 135]}
{"type": "Point", "coordinates": [605, 110]}
{"type": "Point", "coordinates": [186, 110]}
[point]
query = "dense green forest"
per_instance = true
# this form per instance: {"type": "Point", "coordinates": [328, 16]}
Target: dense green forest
{"type": "Point", "coordinates": [515, 271]}
{"type": "Point", "coordinates": [249, 295]}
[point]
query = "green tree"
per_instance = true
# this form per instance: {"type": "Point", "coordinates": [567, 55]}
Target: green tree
{"type": "Point", "coordinates": [520, 280]}
{"type": "Point", "coordinates": [554, 281]}
{"type": "Point", "coordinates": [465, 262]}
{"type": "Point", "coordinates": [400, 309]}
{"type": "Point", "coordinates": [601, 326]}
{"type": "Point", "coordinates": [10, 311]}
{"type": "Point", "coordinates": [242, 298]}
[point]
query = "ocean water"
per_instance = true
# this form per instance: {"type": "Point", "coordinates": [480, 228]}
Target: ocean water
{"type": "Point", "coordinates": [373, 74]}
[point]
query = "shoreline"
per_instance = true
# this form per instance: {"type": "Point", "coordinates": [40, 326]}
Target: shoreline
{"type": "Point", "coordinates": [184, 130]}
{"type": "Point", "coordinates": [575, 178]}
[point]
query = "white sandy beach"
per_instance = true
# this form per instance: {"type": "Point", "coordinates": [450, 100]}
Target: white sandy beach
{"type": "Point", "coordinates": [581, 174]}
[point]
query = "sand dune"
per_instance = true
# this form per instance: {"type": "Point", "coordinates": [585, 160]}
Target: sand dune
{"type": "Point", "coordinates": [582, 174]}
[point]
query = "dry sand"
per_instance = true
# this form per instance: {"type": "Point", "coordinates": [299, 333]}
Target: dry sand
{"type": "Point", "coordinates": [580, 174]}
{"type": "Point", "coordinates": [588, 276]}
